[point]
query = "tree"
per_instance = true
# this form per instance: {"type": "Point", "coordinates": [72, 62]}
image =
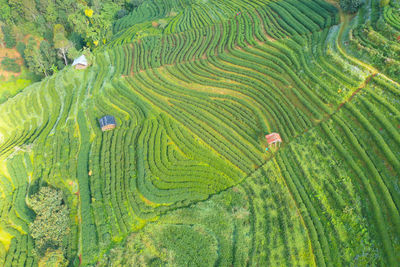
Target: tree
{"type": "Point", "coordinates": [73, 53]}
{"type": "Point", "coordinates": [9, 37]}
{"type": "Point", "coordinates": [51, 14]}
{"type": "Point", "coordinates": [51, 225]}
{"type": "Point", "coordinates": [21, 48]}
{"type": "Point", "coordinates": [17, 11]}
{"type": "Point", "coordinates": [48, 54]}
{"type": "Point", "coordinates": [94, 25]}
{"type": "Point", "coordinates": [79, 22]}
{"type": "Point", "coordinates": [34, 58]}
{"type": "Point", "coordinates": [350, 6]}
{"type": "Point", "coordinates": [61, 42]}
{"type": "Point", "coordinates": [5, 11]}
{"type": "Point", "coordinates": [40, 60]}
{"type": "Point", "coordinates": [26, 9]}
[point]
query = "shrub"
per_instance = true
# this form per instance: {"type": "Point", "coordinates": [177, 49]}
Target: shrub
{"type": "Point", "coordinates": [121, 13]}
{"type": "Point", "coordinates": [53, 258]}
{"type": "Point", "coordinates": [9, 64]}
{"type": "Point", "coordinates": [350, 6]}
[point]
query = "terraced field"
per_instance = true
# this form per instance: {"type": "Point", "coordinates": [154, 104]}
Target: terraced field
{"type": "Point", "coordinates": [184, 179]}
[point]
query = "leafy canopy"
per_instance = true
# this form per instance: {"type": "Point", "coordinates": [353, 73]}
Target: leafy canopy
{"type": "Point", "coordinates": [350, 6]}
{"type": "Point", "coordinates": [51, 225]}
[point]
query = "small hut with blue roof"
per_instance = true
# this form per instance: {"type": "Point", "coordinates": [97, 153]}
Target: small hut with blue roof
{"type": "Point", "coordinates": [107, 123]}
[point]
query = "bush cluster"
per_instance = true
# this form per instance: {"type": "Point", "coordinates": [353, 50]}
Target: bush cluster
{"type": "Point", "coordinates": [350, 6]}
{"type": "Point", "coordinates": [10, 64]}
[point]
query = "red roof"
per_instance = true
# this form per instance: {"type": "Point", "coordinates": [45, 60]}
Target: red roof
{"type": "Point", "coordinates": [273, 138]}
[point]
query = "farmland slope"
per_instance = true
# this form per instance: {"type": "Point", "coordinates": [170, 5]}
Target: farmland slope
{"type": "Point", "coordinates": [185, 179]}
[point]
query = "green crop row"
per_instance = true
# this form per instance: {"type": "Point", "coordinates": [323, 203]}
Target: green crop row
{"type": "Point", "coordinates": [390, 18]}
{"type": "Point", "coordinates": [314, 227]}
{"type": "Point", "coordinates": [197, 42]}
{"type": "Point", "coordinates": [377, 213]}
{"type": "Point", "coordinates": [88, 229]}
{"type": "Point", "coordinates": [20, 252]}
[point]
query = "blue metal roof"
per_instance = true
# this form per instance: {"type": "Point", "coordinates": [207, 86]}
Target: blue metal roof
{"type": "Point", "coordinates": [107, 120]}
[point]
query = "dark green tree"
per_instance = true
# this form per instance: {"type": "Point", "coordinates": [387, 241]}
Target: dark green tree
{"type": "Point", "coordinates": [9, 37]}
{"type": "Point", "coordinates": [350, 6]}
{"type": "Point", "coordinates": [21, 50]}
{"type": "Point", "coordinates": [32, 56]}
{"type": "Point", "coordinates": [34, 59]}
{"type": "Point", "coordinates": [49, 55]}
{"type": "Point", "coordinates": [52, 224]}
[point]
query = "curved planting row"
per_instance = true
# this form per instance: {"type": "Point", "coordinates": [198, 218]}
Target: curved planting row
{"type": "Point", "coordinates": [146, 166]}
{"type": "Point", "coordinates": [148, 10]}
{"type": "Point", "coordinates": [49, 139]}
{"type": "Point", "coordinates": [340, 183]}
{"type": "Point", "coordinates": [378, 42]}
{"type": "Point", "coordinates": [193, 94]}
{"type": "Point", "coordinates": [182, 15]}
{"type": "Point", "coordinates": [213, 38]}
{"type": "Point", "coordinates": [370, 145]}
{"type": "Point", "coordinates": [391, 17]}
{"type": "Point", "coordinates": [19, 251]}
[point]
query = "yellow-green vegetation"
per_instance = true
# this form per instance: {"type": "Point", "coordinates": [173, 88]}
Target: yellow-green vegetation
{"type": "Point", "coordinates": [12, 87]}
{"type": "Point", "coordinates": [185, 178]}
{"type": "Point", "coordinates": [5, 239]}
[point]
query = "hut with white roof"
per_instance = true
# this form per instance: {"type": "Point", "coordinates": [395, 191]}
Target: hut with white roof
{"type": "Point", "coordinates": [80, 62]}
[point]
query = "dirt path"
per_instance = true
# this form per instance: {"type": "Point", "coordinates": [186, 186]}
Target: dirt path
{"type": "Point", "coordinates": [362, 86]}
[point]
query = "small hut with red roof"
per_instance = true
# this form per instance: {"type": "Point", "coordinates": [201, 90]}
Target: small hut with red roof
{"type": "Point", "coordinates": [273, 138]}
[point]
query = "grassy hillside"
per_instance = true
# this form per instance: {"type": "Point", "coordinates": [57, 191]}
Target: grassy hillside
{"type": "Point", "coordinates": [184, 179]}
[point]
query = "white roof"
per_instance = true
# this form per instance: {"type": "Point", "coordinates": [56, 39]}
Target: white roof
{"type": "Point", "coordinates": [80, 60]}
